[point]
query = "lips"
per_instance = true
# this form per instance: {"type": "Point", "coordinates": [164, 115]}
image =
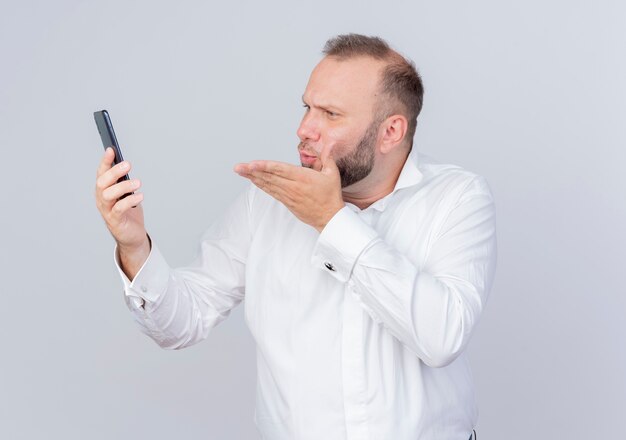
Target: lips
{"type": "Point", "coordinates": [307, 159]}
{"type": "Point", "coordinates": [302, 149]}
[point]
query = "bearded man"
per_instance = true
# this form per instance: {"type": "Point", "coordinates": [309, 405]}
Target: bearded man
{"type": "Point", "coordinates": [364, 271]}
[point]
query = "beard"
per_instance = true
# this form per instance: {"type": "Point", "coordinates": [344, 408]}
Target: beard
{"type": "Point", "coordinates": [358, 164]}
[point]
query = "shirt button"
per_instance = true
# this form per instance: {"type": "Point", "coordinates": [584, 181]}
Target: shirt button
{"type": "Point", "coordinates": [329, 266]}
{"type": "Point", "coordinates": [144, 289]}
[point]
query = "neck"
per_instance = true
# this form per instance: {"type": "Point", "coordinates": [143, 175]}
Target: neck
{"type": "Point", "coordinates": [378, 184]}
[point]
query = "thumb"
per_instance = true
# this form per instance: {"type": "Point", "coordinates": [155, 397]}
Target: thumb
{"type": "Point", "coordinates": [327, 159]}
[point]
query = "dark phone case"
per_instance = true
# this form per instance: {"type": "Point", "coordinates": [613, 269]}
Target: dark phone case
{"type": "Point", "coordinates": [107, 134]}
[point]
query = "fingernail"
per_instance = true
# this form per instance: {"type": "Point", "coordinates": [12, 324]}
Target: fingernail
{"type": "Point", "coordinates": [124, 165]}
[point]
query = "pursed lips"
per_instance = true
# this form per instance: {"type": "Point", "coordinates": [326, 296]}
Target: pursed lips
{"type": "Point", "coordinates": [307, 159]}
{"type": "Point", "coordinates": [301, 150]}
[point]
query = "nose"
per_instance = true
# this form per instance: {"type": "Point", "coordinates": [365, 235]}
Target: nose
{"type": "Point", "coordinates": [308, 131]}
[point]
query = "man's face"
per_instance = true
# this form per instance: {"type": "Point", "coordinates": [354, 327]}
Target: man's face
{"type": "Point", "coordinates": [340, 101]}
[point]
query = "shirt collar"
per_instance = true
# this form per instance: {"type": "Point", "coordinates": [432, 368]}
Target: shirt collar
{"type": "Point", "coordinates": [409, 176]}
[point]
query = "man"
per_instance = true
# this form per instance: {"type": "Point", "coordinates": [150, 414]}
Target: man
{"type": "Point", "coordinates": [364, 271]}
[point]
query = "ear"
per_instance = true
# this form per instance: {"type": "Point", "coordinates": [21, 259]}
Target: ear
{"type": "Point", "coordinates": [394, 129]}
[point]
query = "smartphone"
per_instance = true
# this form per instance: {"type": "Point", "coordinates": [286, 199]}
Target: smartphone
{"type": "Point", "coordinates": [107, 134]}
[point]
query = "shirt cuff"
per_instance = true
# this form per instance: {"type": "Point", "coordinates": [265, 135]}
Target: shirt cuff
{"type": "Point", "coordinates": [341, 242]}
{"type": "Point", "coordinates": [151, 280]}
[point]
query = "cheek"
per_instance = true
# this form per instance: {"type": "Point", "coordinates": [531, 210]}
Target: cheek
{"type": "Point", "coordinates": [341, 139]}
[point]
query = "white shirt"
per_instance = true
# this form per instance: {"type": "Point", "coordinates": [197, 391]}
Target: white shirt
{"type": "Point", "coordinates": [360, 329]}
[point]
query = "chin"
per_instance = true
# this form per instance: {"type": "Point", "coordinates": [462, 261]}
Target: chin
{"type": "Point", "coordinates": [314, 166]}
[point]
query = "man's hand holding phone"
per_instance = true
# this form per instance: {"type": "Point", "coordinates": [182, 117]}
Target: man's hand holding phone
{"type": "Point", "coordinates": [125, 223]}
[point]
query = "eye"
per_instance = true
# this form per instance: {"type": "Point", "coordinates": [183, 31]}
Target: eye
{"type": "Point", "coordinates": [331, 114]}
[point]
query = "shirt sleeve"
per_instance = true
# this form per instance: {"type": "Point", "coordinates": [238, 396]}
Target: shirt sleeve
{"type": "Point", "coordinates": [178, 307]}
{"type": "Point", "coordinates": [431, 309]}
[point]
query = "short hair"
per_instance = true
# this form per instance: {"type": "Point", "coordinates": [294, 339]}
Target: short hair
{"type": "Point", "coordinates": [400, 80]}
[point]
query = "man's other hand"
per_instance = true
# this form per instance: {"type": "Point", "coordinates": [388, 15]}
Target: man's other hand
{"type": "Point", "coordinates": [125, 223]}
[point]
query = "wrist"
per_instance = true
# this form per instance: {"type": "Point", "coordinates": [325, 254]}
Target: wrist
{"type": "Point", "coordinates": [320, 227]}
{"type": "Point", "coordinates": [131, 249]}
{"type": "Point", "coordinates": [132, 258]}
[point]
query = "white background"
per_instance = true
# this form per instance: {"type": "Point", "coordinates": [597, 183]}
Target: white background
{"type": "Point", "coordinates": [529, 94]}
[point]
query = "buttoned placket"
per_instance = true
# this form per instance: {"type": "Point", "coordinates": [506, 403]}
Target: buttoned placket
{"type": "Point", "coordinates": [353, 356]}
{"type": "Point", "coordinates": [352, 364]}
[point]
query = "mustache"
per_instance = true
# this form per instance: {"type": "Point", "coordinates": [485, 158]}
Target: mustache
{"type": "Point", "coordinates": [303, 147]}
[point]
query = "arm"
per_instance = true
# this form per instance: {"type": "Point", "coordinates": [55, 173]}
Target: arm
{"type": "Point", "coordinates": [431, 309]}
{"type": "Point", "coordinates": [179, 307]}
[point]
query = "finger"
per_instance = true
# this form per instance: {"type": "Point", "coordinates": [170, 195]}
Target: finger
{"type": "Point", "coordinates": [106, 161]}
{"type": "Point", "coordinates": [123, 205]}
{"type": "Point", "coordinates": [327, 159]}
{"type": "Point", "coordinates": [114, 192]}
{"type": "Point", "coordinates": [111, 176]}
{"type": "Point", "coordinates": [278, 192]}
{"type": "Point", "coordinates": [243, 169]}
{"type": "Point", "coordinates": [281, 169]}
{"type": "Point", "coordinates": [270, 183]}
{"type": "Point", "coordinates": [275, 179]}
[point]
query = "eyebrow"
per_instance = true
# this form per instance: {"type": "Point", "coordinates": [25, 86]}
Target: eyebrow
{"type": "Point", "coordinates": [329, 107]}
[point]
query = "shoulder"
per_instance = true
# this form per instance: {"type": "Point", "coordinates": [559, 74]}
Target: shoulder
{"type": "Point", "coordinates": [450, 180]}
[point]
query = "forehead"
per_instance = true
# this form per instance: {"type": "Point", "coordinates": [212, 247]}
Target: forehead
{"type": "Point", "coordinates": [351, 84]}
